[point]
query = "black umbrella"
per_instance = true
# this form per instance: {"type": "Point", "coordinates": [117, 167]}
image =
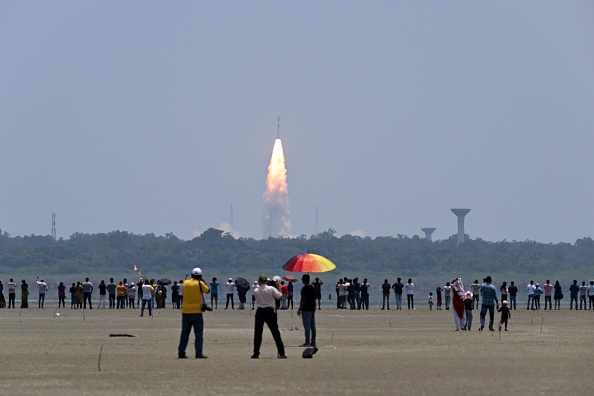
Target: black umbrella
{"type": "Point", "coordinates": [242, 283]}
{"type": "Point", "coordinates": [163, 282]}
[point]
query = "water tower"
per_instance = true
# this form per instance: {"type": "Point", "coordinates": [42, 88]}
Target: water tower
{"type": "Point", "coordinates": [428, 232]}
{"type": "Point", "coordinates": [460, 213]}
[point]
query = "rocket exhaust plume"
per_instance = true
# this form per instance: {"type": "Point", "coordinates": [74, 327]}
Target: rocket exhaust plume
{"type": "Point", "coordinates": [276, 197]}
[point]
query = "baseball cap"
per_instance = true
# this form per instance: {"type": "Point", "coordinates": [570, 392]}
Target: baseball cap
{"type": "Point", "coordinates": [196, 271]}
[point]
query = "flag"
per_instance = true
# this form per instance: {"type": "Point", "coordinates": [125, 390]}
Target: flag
{"type": "Point", "coordinates": [134, 267]}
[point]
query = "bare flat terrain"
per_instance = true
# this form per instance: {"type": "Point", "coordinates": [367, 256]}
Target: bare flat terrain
{"type": "Point", "coordinates": [361, 353]}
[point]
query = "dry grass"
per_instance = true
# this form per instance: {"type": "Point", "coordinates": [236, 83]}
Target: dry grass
{"type": "Point", "coordinates": [361, 353]}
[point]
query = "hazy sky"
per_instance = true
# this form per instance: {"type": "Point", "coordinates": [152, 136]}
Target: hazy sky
{"type": "Point", "coordinates": [153, 116]}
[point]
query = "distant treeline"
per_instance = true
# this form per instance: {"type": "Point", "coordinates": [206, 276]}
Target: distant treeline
{"type": "Point", "coordinates": [217, 250]}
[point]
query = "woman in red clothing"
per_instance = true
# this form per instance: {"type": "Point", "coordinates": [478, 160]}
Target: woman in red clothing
{"type": "Point", "coordinates": [458, 296]}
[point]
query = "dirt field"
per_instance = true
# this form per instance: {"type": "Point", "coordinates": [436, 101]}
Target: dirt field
{"type": "Point", "coordinates": [361, 353]}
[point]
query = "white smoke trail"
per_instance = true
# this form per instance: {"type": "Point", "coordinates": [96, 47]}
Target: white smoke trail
{"type": "Point", "coordinates": [276, 197]}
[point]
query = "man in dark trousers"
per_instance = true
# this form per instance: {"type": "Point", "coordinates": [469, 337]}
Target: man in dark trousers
{"type": "Point", "coordinates": [489, 294]}
{"type": "Point", "coordinates": [307, 311]}
{"type": "Point", "coordinates": [574, 289]}
{"type": "Point", "coordinates": [397, 287]}
{"type": "Point", "coordinates": [111, 290]}
{"type": "Point", "coordinates": [87, 293]}
{"type": "Point", "coordinates": [193, 291]}
{"type": "Point", "coordinates": [266, 296]}
{"type": "Point", "coordinates": [364, 295]}
{"type": "Point", "coordinates": [386, 294]}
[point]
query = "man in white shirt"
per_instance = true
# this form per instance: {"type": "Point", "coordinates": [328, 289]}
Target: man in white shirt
{"type": "Point", "coordinates": [342, 294]}
{"type": "Point", "coordinates": [583, 290]}
{"type": "Point", "coordinates": [132, 295]}
{"type": "Point", "coordinates": [530, 289]}
{"type": "Point", "coordinates": [229, 289]}
{"type": "Point", "coordinates": [147, 296]}
{"type": "Point", "coordinates": [410, 294]}
{"type": "Point", "coordinates": [266, 297]}
{"type": "Point", "coordinates": [347, 285]}
{"type": "Point", "coordinates": [589, 293]}
{"type": "Point", "coordinates": [87, 293]}
{"type": "Point", "coordinates": [11, 292]}
{"type": "Point", "coordinates": [42, 289]}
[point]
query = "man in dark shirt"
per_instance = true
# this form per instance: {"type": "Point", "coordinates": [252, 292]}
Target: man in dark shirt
{"type": "Point", "coordinates": [307, 311]}
{"type": "Point", "coordinates": [364, 295]}
{"type": "Point", "coordinates": [513, 291]}
{"type": "Point", "coordinates": [573, 294]}
{"type": "Point", "coordinates": [351, 293]}
{"type": "Point", "coordinates": [102, 294]}
{"type": "Point", "coordinates": [397, 287]}
{"type": "Point", "coordinates": [386, 294]}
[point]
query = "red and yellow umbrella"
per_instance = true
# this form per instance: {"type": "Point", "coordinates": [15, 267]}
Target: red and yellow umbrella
{"type": "Point", "coordinates": [309, 263]}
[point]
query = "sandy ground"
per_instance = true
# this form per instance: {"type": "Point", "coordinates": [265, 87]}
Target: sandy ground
{"type": "Point", "coordinates": [361, 353]}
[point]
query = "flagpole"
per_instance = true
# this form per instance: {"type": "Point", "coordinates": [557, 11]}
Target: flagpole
{"type": "Point", "coordinates": [135, 268]}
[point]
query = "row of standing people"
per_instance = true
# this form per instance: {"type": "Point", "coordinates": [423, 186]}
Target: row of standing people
{"type": "Point", "coordinates": [120, 296]}
{"type": "Point", "coordinates": [123, 295]}
{"type": "Point", "coordinates": [241, 288]}
{"type": "Point", "coordinates": [348, 291]}
{"type": "Point", "coordinates": [552, 293]}
{"type": "Point", "coordinates": [12, 287]}
{"type": "Point", "coordinates": [399, 288]}
{"type": "Point", "coordinates": [584, 292]}
{"type": "Point", "coordinates": [464, 302]}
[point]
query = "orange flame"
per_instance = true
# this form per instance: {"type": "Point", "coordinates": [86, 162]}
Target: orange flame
{"type": "Point", "coordinates": [276, 196]}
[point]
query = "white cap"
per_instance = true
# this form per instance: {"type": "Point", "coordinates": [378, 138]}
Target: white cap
{"type": "Point", "coordinates": [196, 271]}
{"type": "Point", "coordinates": [230, 279]}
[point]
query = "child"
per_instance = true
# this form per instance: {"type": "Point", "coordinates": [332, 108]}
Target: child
{"type": "Point", "coordinates": [505, 314]}
{"type": "Point", "coordinates": [468, 307]}
{"type": "Point", "coordinates": [430, 300]}
{"type": "Point", "coordinates": [438, 291]}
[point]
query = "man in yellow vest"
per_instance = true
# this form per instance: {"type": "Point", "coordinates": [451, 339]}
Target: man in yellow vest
{"type": "Point", "coordinates": [193, 290]}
